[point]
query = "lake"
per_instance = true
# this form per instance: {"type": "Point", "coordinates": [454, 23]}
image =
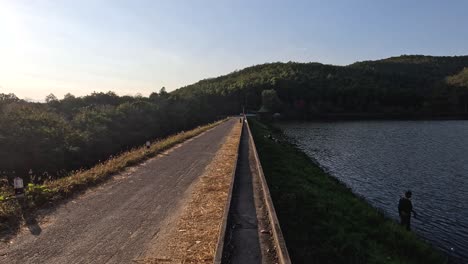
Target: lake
{"type": "Point", "coordinates": [379, 160]}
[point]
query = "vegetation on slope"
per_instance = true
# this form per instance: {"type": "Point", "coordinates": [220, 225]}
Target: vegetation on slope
{"type": "Point", "coordinates": [322, 221]}
{"type": "Point", "coordinates": [419, 66]}
{"type": "Point", "coordinates": [11, 212]}
{"type": "Point", "coordinates": [408, 86]}
{"type": "Point", "coordinates": [75, 133]}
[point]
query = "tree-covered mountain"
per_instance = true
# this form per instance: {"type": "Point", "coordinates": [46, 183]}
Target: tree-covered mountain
{"type": "Point", "coordinates": [429, 67]}
{"type": "Point", "coordinates": [408, 86]}
{"type": "Point", "coordinates": [76, 132]}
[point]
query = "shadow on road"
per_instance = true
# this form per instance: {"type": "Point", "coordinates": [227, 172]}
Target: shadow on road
{"type": "Point", "coordinates": [30, 219]}
{"type": "Point", "coordinates": [32, 225]}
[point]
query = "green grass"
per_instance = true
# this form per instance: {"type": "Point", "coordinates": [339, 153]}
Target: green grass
{"type": "Point", "coordinates": [11, 213]}
{"type": "Point", "coordinates": [322, 220]}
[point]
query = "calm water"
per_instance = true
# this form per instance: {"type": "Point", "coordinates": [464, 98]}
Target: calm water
{"type": "Point", "coordinates": [381, 159]}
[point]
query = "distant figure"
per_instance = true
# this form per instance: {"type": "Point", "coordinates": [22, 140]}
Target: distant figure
{"type": "Point", "coordinates": [405, 208]}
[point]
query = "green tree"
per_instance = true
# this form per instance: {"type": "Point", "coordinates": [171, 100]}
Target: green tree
{"type": "Point", "coordinates": [51, 98]}
{"type": "Point", "coordinates": [270, 101]}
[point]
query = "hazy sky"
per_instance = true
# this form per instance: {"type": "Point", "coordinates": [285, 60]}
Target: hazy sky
{"type": "Point", "coordinates": [130, 47]}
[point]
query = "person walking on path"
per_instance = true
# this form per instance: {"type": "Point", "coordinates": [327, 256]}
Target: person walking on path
{"type": "Point", "coordinates": [405, 208]}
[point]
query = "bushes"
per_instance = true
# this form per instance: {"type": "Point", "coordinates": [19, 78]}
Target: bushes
{"type": "Point", "coordinates": [76, 133]}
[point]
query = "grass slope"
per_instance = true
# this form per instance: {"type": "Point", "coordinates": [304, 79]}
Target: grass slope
{"type": "Point", "coordinates": [322, 220]}
{"type": "Point", "coordinates": [11, 212]}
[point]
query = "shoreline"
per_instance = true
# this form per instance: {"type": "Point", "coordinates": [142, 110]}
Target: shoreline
{"type": "Point", "coordinates": [323, 220]}
{"type": "Point", "coordinates": [379, 117]}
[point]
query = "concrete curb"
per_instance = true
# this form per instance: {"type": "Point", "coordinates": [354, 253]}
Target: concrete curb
{"type": "Point", "coordinates": [280, 244]}
{"type": "Point", "coordinates": [222, 233]}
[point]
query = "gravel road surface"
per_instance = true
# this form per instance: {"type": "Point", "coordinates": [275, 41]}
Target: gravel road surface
{"type": "Point", "coordinates": [115, 222]}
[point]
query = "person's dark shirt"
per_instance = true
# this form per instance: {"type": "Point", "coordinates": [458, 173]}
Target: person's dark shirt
{"type": "Point", "coordinates": [405, 205]}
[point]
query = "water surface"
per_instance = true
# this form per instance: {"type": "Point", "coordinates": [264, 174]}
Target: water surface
{"type": "Point", "coordinates": [381, 159]}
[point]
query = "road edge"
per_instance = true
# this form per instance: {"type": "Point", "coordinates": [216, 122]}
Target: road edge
{"type": "Point", "coordinates": [221, 238]}
{"type": "Point", "coordinates": [281, 249]}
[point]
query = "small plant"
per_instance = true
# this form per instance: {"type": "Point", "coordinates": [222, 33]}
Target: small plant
{"type": "Point", "coordinates": [37, 194]}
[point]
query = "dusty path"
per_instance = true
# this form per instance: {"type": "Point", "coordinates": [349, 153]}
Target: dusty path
{"type": "Point", "coordinates": [115, 222]}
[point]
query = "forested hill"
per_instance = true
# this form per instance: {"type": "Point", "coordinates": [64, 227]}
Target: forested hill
{"type": "Point", "coordinates": [410, 86]}
{"type": "Point", "coordinates": [77, 132]}
{"type": "Point", "coordinates": [429, 67]}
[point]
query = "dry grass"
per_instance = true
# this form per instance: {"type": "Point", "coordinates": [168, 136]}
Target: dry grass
{"type": "Point", "coordinates": [10, 213]}
{"type": "Point", "coordinates": [116, 164]}
{"type": "Point", "coordinates": [195, 237]}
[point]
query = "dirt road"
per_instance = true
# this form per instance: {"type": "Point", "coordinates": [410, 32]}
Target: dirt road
{"type": "Point", "coordinates": [115, 222]}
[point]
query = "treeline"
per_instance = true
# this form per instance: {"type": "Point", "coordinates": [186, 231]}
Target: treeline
{"type": "Point", "coordinates": [405, 86]}
{"type": "Point", "coordinates": [77, 132]}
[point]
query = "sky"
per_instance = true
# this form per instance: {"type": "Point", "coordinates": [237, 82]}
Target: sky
{"type": "Point", "coordinates": [136, 47]}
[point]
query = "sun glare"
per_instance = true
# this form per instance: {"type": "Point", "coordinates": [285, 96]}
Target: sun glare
{"type": "Point", "coordinates": [12, 29]}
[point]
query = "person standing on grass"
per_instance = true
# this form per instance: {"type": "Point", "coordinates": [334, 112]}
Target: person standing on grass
{"type": "Point", "coordinates": [405, 208]}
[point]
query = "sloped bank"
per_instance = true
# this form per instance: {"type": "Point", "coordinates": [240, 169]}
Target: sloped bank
{"type": "Point", "coordinates": [322, 220]}
{"type": "Point", "coordinates": [12, 213]}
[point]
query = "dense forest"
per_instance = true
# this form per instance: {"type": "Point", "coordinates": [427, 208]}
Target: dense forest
{"type": "Point", "coordinates": [405, 86]}
{"type": "Point", "coordinates": [77, 132]}
{"type": "Point", "coordinates": [58, 136]}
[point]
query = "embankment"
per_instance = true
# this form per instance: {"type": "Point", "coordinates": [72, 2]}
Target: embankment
{"type": "Point", "coordinates": [322, 220]}
{"type": "Point", "coordinates": [12, 213]}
